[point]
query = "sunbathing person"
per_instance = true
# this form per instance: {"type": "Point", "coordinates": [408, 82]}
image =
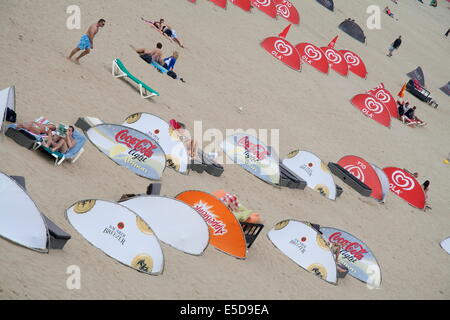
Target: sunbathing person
{"type": "Point", "coordinates": [37, 127]}
{"type": "Point", "coordinates": [171, 34]}
{"type": "Point", "coordinates": [149, 56]}
{"type": "Point", "coordinates": [412, 119]}
{"type": "Point", "coordinates": [388, 12]}
{"type": "Point", "coordinates": [61, 144]}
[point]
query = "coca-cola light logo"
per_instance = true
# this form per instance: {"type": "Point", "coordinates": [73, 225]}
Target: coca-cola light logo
{"type": "Point", "coordinates": [313, 53]}
{"type": "Point", "coordinates": [373, 105]}
{"type": "Point", "coordinates": [333, 57]}
{"type": "Point", "coordinates": [356, 249]}
{"type": "Point", "coordinates": [355, 171]}
{"type": "Point", "coordinates": [283, 9]}
{"type": "Point", "coordinates": [351, 59]}
{"type": "Point", "coordinates": [211, 219]}
{"type": "Point", "coordinates": [283, 48]}
{"type": "Point", "coordinates": [143, 146]}
{"type": "Point", "coordinates": [402, 181]}
{"type": "Point", "coordinates": [256, 150]}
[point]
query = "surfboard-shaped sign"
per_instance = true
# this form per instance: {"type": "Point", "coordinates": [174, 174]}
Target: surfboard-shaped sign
{"type": "Point", "coordinates": [310, 168]}
{"type": "Point", "coordinates": [119, 233]}
{"type": "Point", "coordinates": [405, 186]}
{"type": "Point", "coordinates": [287, 10]}
{"type": "Point", "coordinates": [364, 172]}
{"type": "Point", "coordinates": [129, 148]}
{"type": "Point", "coordinates": [266, 6]}
{"type": "Point", "coordinates": [174, 222]}
{"type": "Point", "coordinates": [445, 244]}
{"type": "Point", "coordinates": [225, 230]}
{"type": "Point", "coordinates": [254, 156]}
{"type": "Point", "coordinates": [336, 60]}
{"type": "Point", "coordinates": [355, 63]}
{"type": "Point", "coordinates": [383, 179]}
{"type": "Point", "coordinates": [306, 247]}
{"type": "Point", "coordinates": [243, 4]}
{"type": "Point", "coordinates": [385, 97]}
{"type": "Point", "coordinates": [160, 131]}
{"type": "Point", "coordinates": [372, 108]}
{"type": "Point", "coordinates": [220, 3]}
{"type": "Point", "coordinates": [283, 50]}
{"type": "Point", "coordinates": [313, 56]}
{"type": "Point", "coordinates": [21, 221]}
{"type": "Point", "coordinates": [355, 255]}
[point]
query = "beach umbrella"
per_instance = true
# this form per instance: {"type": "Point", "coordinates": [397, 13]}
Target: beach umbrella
{"type": "Point", "coordinates": [445, 244]}
{"type": "Point", "coordinates": [226, 233]}
{"type": "Point", "coordinates": [287, 10]}
{"type": "Point", "coordinates": [313, 170]}
{"type": "Point", "coordinates": [417, 74]}
{"type": "Point", "coordinates": [335, 59]}
{"type": "Point", "coordinates": [351, 28]}
{"type": "Point", "coordinates": [404, 185]}
{"type": "Point", "coordinates": [355, 63]}
{"type": "Point", "coordinates": [329, 4]}
{"type": "Point", "coordinates": [305, 246]}
{"type": "Point", "coordinates": [282, 49]}
{"type": "Point", "coordinates": [365, 173]}
{"type": "Point", "coordinates": [446, 89]}
{"type": "Point", "coordinates": [313, 56]}
{"type": "Point", "coordinates": [220, 3]}
{"type": "Point", "coordinates": [243, 4]}
{"type": "Point", "coordinates": [266, 6]}
{"type": "Point", "coordinates": [372, 108]}
{"type": "Point", "coordinates": [119, 233]}
{"type": "Point", "coordinates": [385, 97]}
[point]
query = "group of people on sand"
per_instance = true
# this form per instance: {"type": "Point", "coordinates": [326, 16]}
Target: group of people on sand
{"type": "Point", "coordinates": [51, 136]}
{"type": "Point", "coordinates": [407, 114]}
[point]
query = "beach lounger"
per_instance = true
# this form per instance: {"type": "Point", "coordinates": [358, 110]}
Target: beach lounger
{"type": "Point", "coordinates": [251, 231]}
{"type": "Point", "coordinates": [58, 237]}
{"type": "Point", "coordinates": [350, 179]}
{"type": "Point", "coordinates": [119, 71]}
{"type": "Point", "coordinates": [71, 155]}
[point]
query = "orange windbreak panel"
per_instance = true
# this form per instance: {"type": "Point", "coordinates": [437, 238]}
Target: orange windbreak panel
{"type": "Point", "coordinates": [225, 230]}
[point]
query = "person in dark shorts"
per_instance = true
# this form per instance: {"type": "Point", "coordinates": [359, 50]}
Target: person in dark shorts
{"type": "Point", "coordinates": [149, 56]}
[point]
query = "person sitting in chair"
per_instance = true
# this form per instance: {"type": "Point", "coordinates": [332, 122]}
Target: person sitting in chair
{"type": "Point", "coordinates": [55, 142]}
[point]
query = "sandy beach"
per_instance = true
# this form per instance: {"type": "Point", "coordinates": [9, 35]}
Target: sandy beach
{"type": "Point", "coordinates": [231, 83]}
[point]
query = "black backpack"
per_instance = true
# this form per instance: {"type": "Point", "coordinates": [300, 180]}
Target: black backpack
{"type": "Point", "coordinates": [172, 74]}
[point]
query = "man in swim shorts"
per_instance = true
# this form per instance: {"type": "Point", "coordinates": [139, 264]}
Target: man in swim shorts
{"type": "Point", "coordinates": [87, 41]}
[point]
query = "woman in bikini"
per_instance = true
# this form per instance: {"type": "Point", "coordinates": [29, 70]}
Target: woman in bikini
{"type": "Point", "coordinates": [37, 127]}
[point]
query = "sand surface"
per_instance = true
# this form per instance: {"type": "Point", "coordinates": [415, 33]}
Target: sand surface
{"type": "Point", "coordinates": [226, 69]}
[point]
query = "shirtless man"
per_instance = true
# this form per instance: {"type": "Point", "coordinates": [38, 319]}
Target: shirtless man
{"type": "Point", "coordinates": [58, 143]}
{"type": "Point", "coordinates": [36, 127]}
{"type": "Point", "coordinates": [149, 56]}
{"type": "Point", "coordinates": [87, 41]}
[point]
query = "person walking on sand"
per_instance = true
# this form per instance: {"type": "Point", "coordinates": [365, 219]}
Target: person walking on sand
{"type": "Point", "coordinates": [87, 41]}
{"type": "Point", "coordinates": [395, 45]}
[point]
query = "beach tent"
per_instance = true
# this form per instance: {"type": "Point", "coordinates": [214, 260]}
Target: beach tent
{"type": "Point", "coordinates": [351, 28]}
{"type": "Point", "coordinates": [446, 89]}
{"type": "Point", "coordinates": [243, 4]}
{"type": "Point", "coordinates": [119, 233]}
{"type": "Point", "coordinates": [329, 4]}
{"type": "Point", "coordinates": [287, 10]}
{"type": "Point", "coordinates": [7, 100]}
{"type": "Point", "coordinates": [313, 56]}
{"type": "Point", "coordinates": [161, 132]}
{"type": "Point", "coordinates": [129, 148]}
{"type": "Point", "coordinates": [372, 108]}
{"type": "Point", "coordinates": [418, 75]}
{"type": "Point", "coordinates": [355, 255]}
{"type": "Point", "coordinates": [305, 246]}
{"type": "Point", "coordinates": [266, 6]}
{"type": "Point", "coordinates": [310, 168]}
{"type": "Point", "coordinates": [174, 222]}
{"type": "Point", "coordinates": [21, 222]}
{"type": "Point", "coordinates": [225, 231]}
{"type": "Point", "coordinates": [355, 63]}
{"type": "Point", "coordinates": [254, 156]}
{"type": "Point", "coordinates": [404, 185]}
{"type": "Point", "coordinates": [283, 50]}
{"type": "Point", "coordinates": [384, 96]}
{"type": "Point", "coordinates": [336, 59]}
{"type": "Point", "coordinates": [365, 173]}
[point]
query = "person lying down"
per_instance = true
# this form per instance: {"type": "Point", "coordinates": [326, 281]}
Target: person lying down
{"type": "Point", "coordinates": [60, 141]}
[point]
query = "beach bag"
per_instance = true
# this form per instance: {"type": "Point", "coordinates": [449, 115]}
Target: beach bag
{"type": "Point", "coordinates": [10, 115]}
{"type": "Point", "coordinates": [172, 74]}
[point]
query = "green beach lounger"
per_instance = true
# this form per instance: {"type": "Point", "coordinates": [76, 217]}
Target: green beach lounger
{"type": "Point", "coordinates": [119, 71]}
